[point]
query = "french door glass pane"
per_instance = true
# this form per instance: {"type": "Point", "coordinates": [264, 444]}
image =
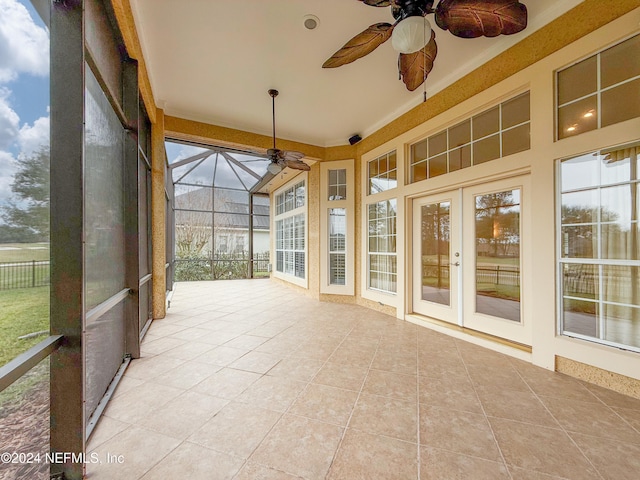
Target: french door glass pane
{"type": "Point", "coordinates": [436, 252]}
{"type": "Point", "coordinates": [498, 254]}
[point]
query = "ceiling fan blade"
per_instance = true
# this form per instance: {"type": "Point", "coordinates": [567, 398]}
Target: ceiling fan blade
{"type": "Point", "coordinates": [360, 45]}
{"type": "Point", "coordinates": [292, 155]}
{"type": "Point", "coordinates": [297, 165]}
{"type": "Point", "coordinates": [378, 3]}
{"type": "Point", "coordinates": [414, 67]}
{"type": "Point", "coordinates": [476, 18]}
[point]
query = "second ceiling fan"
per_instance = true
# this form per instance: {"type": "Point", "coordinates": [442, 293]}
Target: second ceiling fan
{"type": "Point", "coordinates": [412, 36]}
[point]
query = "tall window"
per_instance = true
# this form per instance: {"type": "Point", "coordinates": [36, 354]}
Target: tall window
{"type": "Point", "coordinates": [383, 173]}
{"type": "Point", "coordinates": [337, 245]}
{"type": "Point", "coordinates": [601, 90]}
{"type": "Point", "coordinates": [599, 246]}
{"type": "Point", "coordinates": [500, 131]}
{"type": "Point", "coordinates": [337, 184]}
{"type": "Point", "coordinates": [382, 246]}
{"type": "Point", "coordinates": [290, 226]}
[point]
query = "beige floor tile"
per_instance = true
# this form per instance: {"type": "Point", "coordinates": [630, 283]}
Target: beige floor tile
{"type": "Point", "coordinates": [257, 362]}
{"type": "Point", "coordinates": [497, 377]}
{"type": "Point", "coordinates": [140, 449]}
{"type": "Point", "coordinates": [436, 464]}
{"type": "Point", "coordinates": [183, 415]}
{"type": "Point", "coordinates": [247, 342]}
{"type": "Point", "coordinates": [614, 460]}
{"type": "Point", "coordinates": [597, 420]}
{"type": "Point", "coordinates": [236, 430]}
{"type": "Point", "coordinates": [449, 392]}
{"type": "Point", "coordinates": [521, 474]}
{"type": "Point", "coordinates": [195, 463]}
{"type": "Point", "coordinates": [341, 376]}
{"type": "Point", "coordinates": [389, 384]}
{"type": "Point", "coordinates": [136, 404]}
{"type": "Point", "coordinates": [299, 446]}
{"type": "Point", "coordinates": [189, 351]}
{"type": "Point", "coordinates": [441, 367]}
{"type": "Point", "coordinates": [190, 334]}
{"type": "Point", "coordinates": [541, 449]}
{"type": "Point", "coordinates": [272, 393]}
{"type": "Point", "coordinates": [361, 356]}
{"type": "Point", "coordinates": [457, 431]}
{"type": "Point", "coordinates": [186, 375]}
{"type": "Point", "coordinates": [552, 384]}
{"type": "Point", "coordinates": [363, 456]}
{"type": "Point", "coordinates": [324, 403]}
{"type": "Point", "coordinates": [159, 328]}
{"type": "Point", "coordinates": [106, 429]}
{"type": "Point", "coordinates": [319, 351]}
{"type": "Point", "coordinates": [147, 368]}
{"type": "Point", "coordinates": [125, 384]}
{"type": "Point", "coordinates": [631, 416]}
{"type": "Point", "coordinates": [227, 383]}
{"type": "Point", "coordinates": [613, 399]}
{"type": "Point", "coordinates": [391, 362]}
{"type": "Point", "coordinates": [303, 369]}
{"type": "Point", "coordinates": [253, 471]}
{"type": "Point", "coordinates": [515, 405]}
{"type": "Point", "coordinates": [386, 416]}
{"type": "Point", "coordinates": [222, 356]}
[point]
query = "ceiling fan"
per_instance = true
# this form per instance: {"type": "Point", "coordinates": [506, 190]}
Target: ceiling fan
{"type": "Point", "coordinates": [411, 34]}
{"type": "Point", "coordinates": [282, 158]}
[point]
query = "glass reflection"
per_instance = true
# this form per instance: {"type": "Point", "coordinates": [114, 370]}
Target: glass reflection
{"type": "Point", "coordinates": [436, 253]}
{"type": "Point", "coordinates": [498, 254]}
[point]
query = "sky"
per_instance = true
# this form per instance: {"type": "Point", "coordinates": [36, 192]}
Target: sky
{"type": "Point", "coordinates": [24, 87]}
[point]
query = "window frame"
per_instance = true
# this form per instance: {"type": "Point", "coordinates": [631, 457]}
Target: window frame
{"type": "Point", "coordinates": [298, 208]}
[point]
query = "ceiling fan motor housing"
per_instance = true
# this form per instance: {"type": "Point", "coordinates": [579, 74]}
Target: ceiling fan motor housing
{"type": "Point", "coordinates": [412, 8]}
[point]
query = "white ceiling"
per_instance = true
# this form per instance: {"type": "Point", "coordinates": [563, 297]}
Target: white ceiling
{"type": "Point", "coordinates": [214, 60]}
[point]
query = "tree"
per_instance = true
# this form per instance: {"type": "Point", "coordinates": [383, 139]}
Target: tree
{"type": "Point", "coordinates": [27, 219]}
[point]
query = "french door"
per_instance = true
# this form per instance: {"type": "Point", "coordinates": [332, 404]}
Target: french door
{"type": "Point", "coordinates": [469, 255]}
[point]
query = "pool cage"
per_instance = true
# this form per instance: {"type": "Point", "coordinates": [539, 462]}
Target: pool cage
{"type": "Point", "coordinates": [219, 218]}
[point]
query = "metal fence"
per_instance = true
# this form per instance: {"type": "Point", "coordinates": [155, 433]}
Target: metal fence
{"type": "Point", "coordinates": [221, 267]}
{"type": "Point", "coordinates": [24, 274]}
{"type": "Point", "coordinates": [496, 275]}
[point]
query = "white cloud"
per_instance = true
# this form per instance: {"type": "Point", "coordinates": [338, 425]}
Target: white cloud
{"type": "Point", "coordinates": [24, 46]}
{"type": "Point", "coordinates": [7, 170]}
{"type": "Point", "coordinates": [33, 136]}
{"type": "Point", "coordinates": [9, 120]}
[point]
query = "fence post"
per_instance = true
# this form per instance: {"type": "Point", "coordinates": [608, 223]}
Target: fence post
{"type": "Point", "coordinates": [498, 275]}
{"type": "Point", "coordinates": [33, 273]}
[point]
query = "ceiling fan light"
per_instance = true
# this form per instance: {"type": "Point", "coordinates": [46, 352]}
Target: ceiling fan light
{"type": "Point", "coordinates": [411, 34]}
{"type": "Point", "coordinates": [274, 168]}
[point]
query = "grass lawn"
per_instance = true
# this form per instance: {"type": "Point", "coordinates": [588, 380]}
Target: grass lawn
{"type": "Point", "coordinates": [24, 311]}
{"type": "Point", "coordinates": [23, 252]}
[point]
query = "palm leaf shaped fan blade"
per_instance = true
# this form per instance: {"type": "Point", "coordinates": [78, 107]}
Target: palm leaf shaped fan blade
{"type": "Point", "coordinates": [462, 18]}
{"type": "Point", "coordinates": [283, 158]}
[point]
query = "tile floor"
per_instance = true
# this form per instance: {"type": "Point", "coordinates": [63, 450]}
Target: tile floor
{"type": "Point", "coordinates": [250, 380]}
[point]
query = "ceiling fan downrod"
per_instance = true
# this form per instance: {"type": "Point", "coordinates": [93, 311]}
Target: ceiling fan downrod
{"type": "Point", "coordinates": [273, 93]}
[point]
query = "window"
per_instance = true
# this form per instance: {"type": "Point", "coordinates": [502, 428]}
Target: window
{"type": "Point", "coordinates": [599, 246]}
{"type": "Point", "coordinates": [500, 131]}
{"type": "Point", "coordinates": [290, 199]}
{"type": "Point", "coordinates": [383, 173]}
{"type": "Point", "coordinates": [382, 246]}
{"type": "Point", "coordinates": [338, 184]}
{"type": "Point", "coordinates": [337, 245]}
{"type": "Point", "coordinates": [599, 91]}
{"type": "Point", "coordinates": [290, 225]}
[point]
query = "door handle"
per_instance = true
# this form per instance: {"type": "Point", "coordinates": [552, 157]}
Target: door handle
{"type": "Point", "coordinates": [457, 264]}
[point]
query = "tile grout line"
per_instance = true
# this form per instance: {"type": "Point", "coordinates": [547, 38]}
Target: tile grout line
{"type": "Point", "coordinates": [558, 421]}
{"type": "Point", "coordinates": [346, 426]}
{"type": "Point", "coordinates": [291, 404]}
{"type": "Point", "coordinates": [484, 412]}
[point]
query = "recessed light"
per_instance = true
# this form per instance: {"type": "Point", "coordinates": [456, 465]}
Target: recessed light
{"type": "Point", "coordinates": [589, 114]}
{"type": "Point", "coordinates": [311, 22]}
{"type": "Point", "coordinates": [572, 128]}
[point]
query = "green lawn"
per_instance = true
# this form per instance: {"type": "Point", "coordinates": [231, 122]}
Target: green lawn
{"type": "Point", "coordinates": [24, 311]}
{"type": "Point", "coordinates": [23, 252]}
